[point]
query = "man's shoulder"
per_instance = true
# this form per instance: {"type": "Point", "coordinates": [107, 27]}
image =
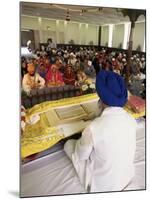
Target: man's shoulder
{"type": "Point", "coordinates": [37, 75]}
{"type": "Point", "coordinates": [131, 118]}
{"type": "Point", "coordinates": [107, 120]}
{"type": "Point", "coordinates": [99, 121]}
{"type": "Point", "coordinates": [25, 76]}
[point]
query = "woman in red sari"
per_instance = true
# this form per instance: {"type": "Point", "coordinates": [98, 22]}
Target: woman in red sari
{"type": "Point", "coordinates": [69, 76]}
{"type": "Point", "coordinates": [54, 77]}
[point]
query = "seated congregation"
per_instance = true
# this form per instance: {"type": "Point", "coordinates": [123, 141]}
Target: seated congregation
{"type": "Point", "coordinates": [78, 67]}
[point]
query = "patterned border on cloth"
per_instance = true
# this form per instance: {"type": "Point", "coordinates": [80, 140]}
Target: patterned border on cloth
{"type": "Point", "coordinates": [41, 136]}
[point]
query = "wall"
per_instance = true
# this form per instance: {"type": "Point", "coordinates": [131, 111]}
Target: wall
{"type": "Point", "coordinates": [72, 32]}
{"type": "Point", "coordinates": [92, 34]}
{"type": "Point", "coordinates": [60, 30]}
{"type": "Point", "coordinates": [29, 23]}
{"type": "Point", "coordinates": [118, 35]}
{"type": "Point", "coordinates": [104, 35]}
{"type": "Point", "coordinates": [138, 35]}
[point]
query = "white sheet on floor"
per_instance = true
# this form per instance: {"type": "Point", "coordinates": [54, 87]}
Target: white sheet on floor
{"type": "Point", "coordinates": [54, 174]}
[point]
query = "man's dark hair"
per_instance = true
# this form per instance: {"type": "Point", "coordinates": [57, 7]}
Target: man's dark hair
{"type": "Point", "coordinates": [49, 40]}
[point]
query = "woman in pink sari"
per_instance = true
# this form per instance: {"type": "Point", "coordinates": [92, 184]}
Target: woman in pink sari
{"type": "Point", "coordinates": [54, 77]}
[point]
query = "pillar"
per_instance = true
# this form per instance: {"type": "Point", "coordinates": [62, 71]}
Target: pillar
{"type": "Point", "coordinates": [65, 32]}
{"type": "Point", "coordinates": [127, 27]}
{"type": "Point", "coordinates": [86, 33]}
{"type": "Point", "coordinates": [57, 32]}
{"type": "Point", "coordinates": [110, 35]}
{"type": "Point", "coordinates": [40, 29]}
{"type": "Point", "coordinates": [79, 39]}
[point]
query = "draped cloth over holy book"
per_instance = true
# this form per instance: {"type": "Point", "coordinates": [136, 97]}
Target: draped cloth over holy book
{"type": "Point", "coordinates": [136, 103]}
{"type": "Point", "coordinates": [51, 121]}
{"type": "Point", "coordinates": [56, 120]}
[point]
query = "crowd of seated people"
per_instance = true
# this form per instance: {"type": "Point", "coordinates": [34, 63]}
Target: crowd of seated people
{"type": "Point", "coordinates": [68, 66]}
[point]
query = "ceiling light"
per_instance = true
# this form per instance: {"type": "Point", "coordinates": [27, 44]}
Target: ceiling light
{"type": "Point", "coordinates": [100, 9]}
{"type": "Point", "coordinates": [26, 30]}
{"type": "Point", "coordinates": [81, 13]}
{"type": "Point", "coordinates": [68, 16]}
{"type": "Point", "coordinates": [48, 28]}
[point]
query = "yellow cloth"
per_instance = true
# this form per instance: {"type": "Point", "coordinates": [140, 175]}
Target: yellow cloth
{"type": "Point", "coordinates": [40, 136]}
{"type": "Point", "coordinates": [45, 106]}
{"type": "Point", "coordinates": [134, 114]}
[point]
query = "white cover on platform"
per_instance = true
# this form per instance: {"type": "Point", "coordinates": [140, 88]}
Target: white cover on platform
{"type": "Point", "coordinates": [54, 174]}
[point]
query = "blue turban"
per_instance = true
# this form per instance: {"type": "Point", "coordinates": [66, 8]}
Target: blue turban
{"type": "Point", "coordinates": [111, 88]}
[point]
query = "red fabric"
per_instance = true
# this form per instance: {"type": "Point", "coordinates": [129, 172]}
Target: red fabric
{"type": "Point", "coordinates": [54, 77]}
{"type": "Point", "coordinates": [69, 78]}
{"type": "Point", "coordinates": [48, 66]}
{"type": "Point", "coordinates": [136, 103]}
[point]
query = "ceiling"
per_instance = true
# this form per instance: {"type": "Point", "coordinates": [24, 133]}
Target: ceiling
{"type": "Point", "coordinates": [82, 14]}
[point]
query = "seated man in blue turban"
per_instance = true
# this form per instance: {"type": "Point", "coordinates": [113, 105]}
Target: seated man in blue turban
{"type": "Point", "coordinates": [103, 157]}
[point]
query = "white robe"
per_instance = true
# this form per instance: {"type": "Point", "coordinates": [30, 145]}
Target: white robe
{"type": "Point", "coordinates": [103, 157]}
{"type": "Point", "coordinates": [27, 80]}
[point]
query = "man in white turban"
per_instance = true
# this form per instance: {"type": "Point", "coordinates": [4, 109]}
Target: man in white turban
{"type": "Point", "coordinates": [32, 80]}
